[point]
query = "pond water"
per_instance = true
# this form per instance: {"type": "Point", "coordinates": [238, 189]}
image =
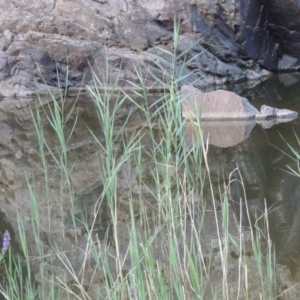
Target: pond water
{"type": "Point", "coordinates": [265, 158]}
{"type": "Point", "coordinates": [261, 156]}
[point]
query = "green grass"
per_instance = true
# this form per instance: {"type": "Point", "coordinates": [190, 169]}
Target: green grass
{"type": "Point", "coordinates": [176, 241]}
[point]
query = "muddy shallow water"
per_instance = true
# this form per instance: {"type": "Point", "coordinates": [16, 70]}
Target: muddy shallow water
{"type": "Point", "coordinates": [261, 156]}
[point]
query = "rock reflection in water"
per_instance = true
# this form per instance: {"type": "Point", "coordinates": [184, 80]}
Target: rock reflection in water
{"type": "Point", "coordinates": [219, 133]}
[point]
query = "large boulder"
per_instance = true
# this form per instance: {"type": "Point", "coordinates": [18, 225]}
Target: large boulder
{"type": "Point", "coordinates": [216, 105]}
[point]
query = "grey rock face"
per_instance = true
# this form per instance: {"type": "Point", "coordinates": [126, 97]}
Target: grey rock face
{"type": "Point", "coordinates": [59, 42]}
{"type": "Point", "coordinates": [257, 38]}
{"type": "Point", "coordinates": [284, 21]}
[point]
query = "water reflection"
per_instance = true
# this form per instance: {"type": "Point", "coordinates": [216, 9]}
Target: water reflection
{"type": "Point", "coordinates": [219, 133]}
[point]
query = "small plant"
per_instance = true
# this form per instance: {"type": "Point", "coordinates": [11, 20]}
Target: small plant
{"type": "Point", "coordinates": [5, 244]}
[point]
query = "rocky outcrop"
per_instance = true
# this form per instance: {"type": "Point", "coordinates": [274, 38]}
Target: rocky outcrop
{"type": "Point", "coordinates": [256, 37]}
{"type": "Point", "coordinates": [60, 42]}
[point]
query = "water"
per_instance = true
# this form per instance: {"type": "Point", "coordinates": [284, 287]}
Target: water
{"type": "Point", "coordinates": [266, 162]}
{"type": "Point", "coordinates": [260, 156]}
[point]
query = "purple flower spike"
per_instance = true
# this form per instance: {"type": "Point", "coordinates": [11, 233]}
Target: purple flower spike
{"type": "Point", "coordinates": [6, 241]}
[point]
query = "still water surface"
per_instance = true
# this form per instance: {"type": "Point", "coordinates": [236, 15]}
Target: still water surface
{"type": "Point", "coordinates": [261, 157]}
{"type": "Point", "coordinates": [264, 160]}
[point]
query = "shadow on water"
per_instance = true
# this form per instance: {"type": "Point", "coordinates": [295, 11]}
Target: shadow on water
{"type": "Point", "coordinates": [261, 165]}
